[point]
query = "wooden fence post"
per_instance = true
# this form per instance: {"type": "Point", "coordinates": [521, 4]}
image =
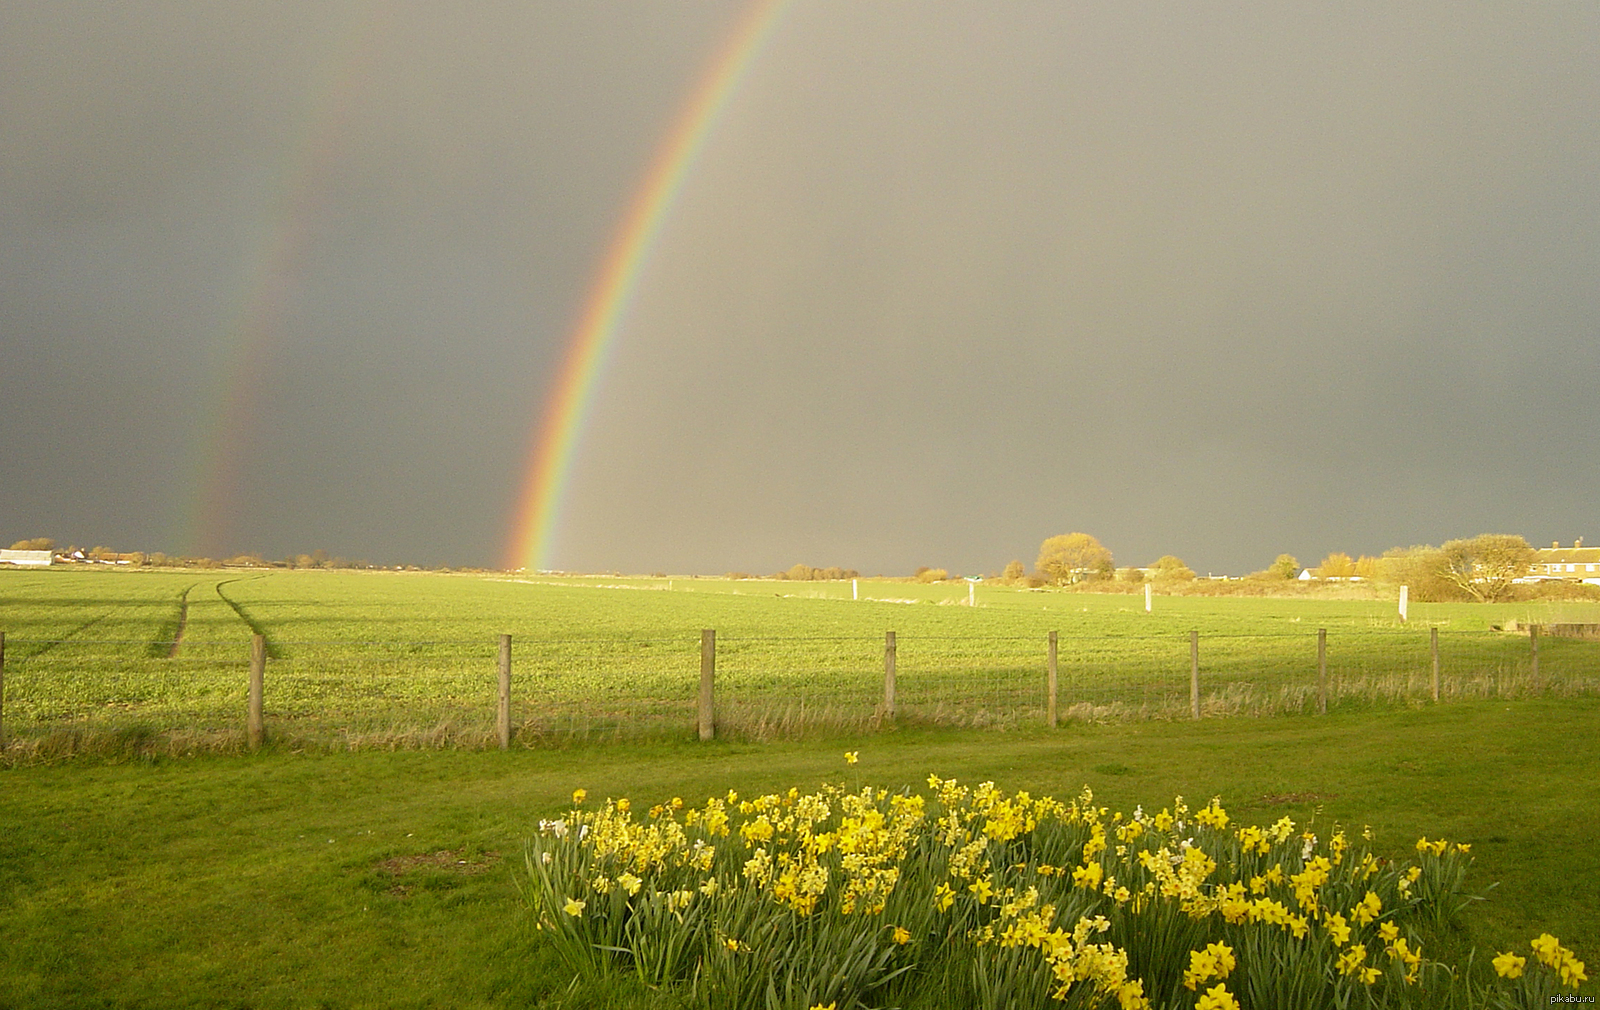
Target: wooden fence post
{"type": "Point", "coordinates": [1050, 686]}
{"type": "Point", "coordinates": [258, 674]}
{"type": "Point", "coordinates": [1194, 674]}
{"type": "Point", "coordinates": [888, 674]}
{"type": "Point", "coordinates": [1322, 671]}
{"type": "Point", "coordinates": [708, 676]}
{"type": "Point", "coordinates": [1533, 645]}
{"type": "Point", "coordinates": [1433, 642]}
{"type": "Point", "coordinates": [505, 692]}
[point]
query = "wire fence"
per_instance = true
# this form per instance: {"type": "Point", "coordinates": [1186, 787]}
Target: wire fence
{"type": "Point", "coordinates": [75, 694]}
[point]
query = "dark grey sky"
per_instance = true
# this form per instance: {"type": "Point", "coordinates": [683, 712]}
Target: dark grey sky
{"type": "Point", "coordinates": [948, 278]}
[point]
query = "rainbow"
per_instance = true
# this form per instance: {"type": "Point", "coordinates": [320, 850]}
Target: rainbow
{"type": "Point", "coordinates": [550, 463]}
{"type": "Point", "coordinates": [217, 456]}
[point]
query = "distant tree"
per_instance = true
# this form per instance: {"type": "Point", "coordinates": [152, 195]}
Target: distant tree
{"type": "Point", "coordinates": [932, 574]}
{"type": "Point", "coordinates": [100, 552]}
{"type": "Point", "coordinates": [1073, 557]}
{"type": "Point", "coordinates": [1367, 567]}
{"type": "Point", "coordinates": [1285, 566]}
{"type": "Point", "coordinates": [1168, 568]}
{"type": "Point", "coordinates": [1421, 568]}
{"type": "Point", "coordinates": [1485, 565]}
{"type": "Point", "coordinates": [1337, 565]}
{"type": "Point", "coordinates": [1014, 573]}
{"type": "Point", "coordinates": [36, 544]}
{"type": "Point", "coordinates": [1130, 575]}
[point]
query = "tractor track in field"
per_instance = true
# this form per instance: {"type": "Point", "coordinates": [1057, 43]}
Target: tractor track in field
{"type": "Point", "coordinates": [273, 652]}
{"type": "Point", "coordinates": [168, 639]}
{"type": "Point", "coordinates": [46, 646]}
{"type": "Point", "coordinates": [183, 621]}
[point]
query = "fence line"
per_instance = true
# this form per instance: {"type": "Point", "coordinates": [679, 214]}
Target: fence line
{"type": "Point", "coordinates": [435, 692]}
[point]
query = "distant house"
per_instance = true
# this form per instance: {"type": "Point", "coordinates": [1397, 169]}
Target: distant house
{"type": "Point", "coordinates": [26, 559]}
{"type": "Point", "coordinates": [1576, 563]}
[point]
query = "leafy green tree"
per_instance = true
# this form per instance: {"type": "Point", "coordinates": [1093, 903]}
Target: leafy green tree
{"type": "Point", "coordinates": [1074, 557]}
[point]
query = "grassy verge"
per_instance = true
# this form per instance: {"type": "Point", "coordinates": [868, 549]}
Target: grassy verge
{"type": "Point", "coordinates": [317, 880]}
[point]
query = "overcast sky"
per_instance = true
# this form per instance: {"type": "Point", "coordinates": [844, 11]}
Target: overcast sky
{"type": "Point", "coordinates": [948, 278]}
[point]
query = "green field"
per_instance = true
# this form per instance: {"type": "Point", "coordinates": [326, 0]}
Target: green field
{"type": "Point", "coordinates": [311, 876]}
{"type": "Point", "coordinates": [283, 880]}
{"type": "Point", "coordinates": [96, 657]}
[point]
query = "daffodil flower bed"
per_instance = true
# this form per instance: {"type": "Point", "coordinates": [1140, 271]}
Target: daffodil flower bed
{"type": "Point", "coordinates": [864, 897]}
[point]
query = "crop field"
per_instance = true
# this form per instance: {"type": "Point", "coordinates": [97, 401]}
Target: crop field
{"type": "Point", "coordinates": [361, 659]}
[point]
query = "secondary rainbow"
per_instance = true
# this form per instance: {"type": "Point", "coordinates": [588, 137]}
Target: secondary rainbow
{"type": "Point", "coordinates": [218, 455]}
{"type": "Point", "coordinates": [550, 463]}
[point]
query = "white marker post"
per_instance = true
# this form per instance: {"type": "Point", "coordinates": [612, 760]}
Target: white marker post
{"type": "Point", "coordinates": [972, 588]}
{"type": "Point", "coordinates": [1147, 597]}
{"type": "Point", "coordinates": [855, 589]}
{"type": "Point", "coordinates": [1404, 593]}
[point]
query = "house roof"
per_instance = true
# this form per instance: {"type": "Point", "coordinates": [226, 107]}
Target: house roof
{"type": "Point", "coordinates": [1568, 555]}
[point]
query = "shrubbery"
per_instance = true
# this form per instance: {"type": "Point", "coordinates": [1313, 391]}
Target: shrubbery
{"type": "Point", "coordinates": [805, 573]}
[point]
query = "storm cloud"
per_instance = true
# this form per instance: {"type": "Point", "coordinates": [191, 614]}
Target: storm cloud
{"type": "Point", "coordinates": [946, 279]}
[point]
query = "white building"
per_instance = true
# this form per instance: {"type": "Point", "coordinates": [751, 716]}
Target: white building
{"type": "Point", "coordinates": [26, 559]}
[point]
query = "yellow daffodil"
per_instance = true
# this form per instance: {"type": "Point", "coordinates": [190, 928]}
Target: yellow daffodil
{"type": "Point", "coordinates": [1217, 998]}
{"type": "Point", "coordinates": [1509, 965]}
{"type": "Point", "coordinates": [983, 888]}
{"type": "Point", "coordinates": [851, 756]}
{"type": "Point", "coordinates": [578, 796]}
{"type": "Point", "coordinates": [574, 907]}
{"type": "Point", "coordinates": [1367, 909]}
{"type": "Point", "coordinates": [1338, 929]}
{"type": "Point", "coordinates": [901, 935]}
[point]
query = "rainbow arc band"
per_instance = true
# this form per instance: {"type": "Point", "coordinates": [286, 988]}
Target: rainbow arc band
{"type": "Point", "coordinates": [616, 281]}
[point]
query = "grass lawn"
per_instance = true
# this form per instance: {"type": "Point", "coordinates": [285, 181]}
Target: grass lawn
{"type": "Point", "coordinates": [287, 880]}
